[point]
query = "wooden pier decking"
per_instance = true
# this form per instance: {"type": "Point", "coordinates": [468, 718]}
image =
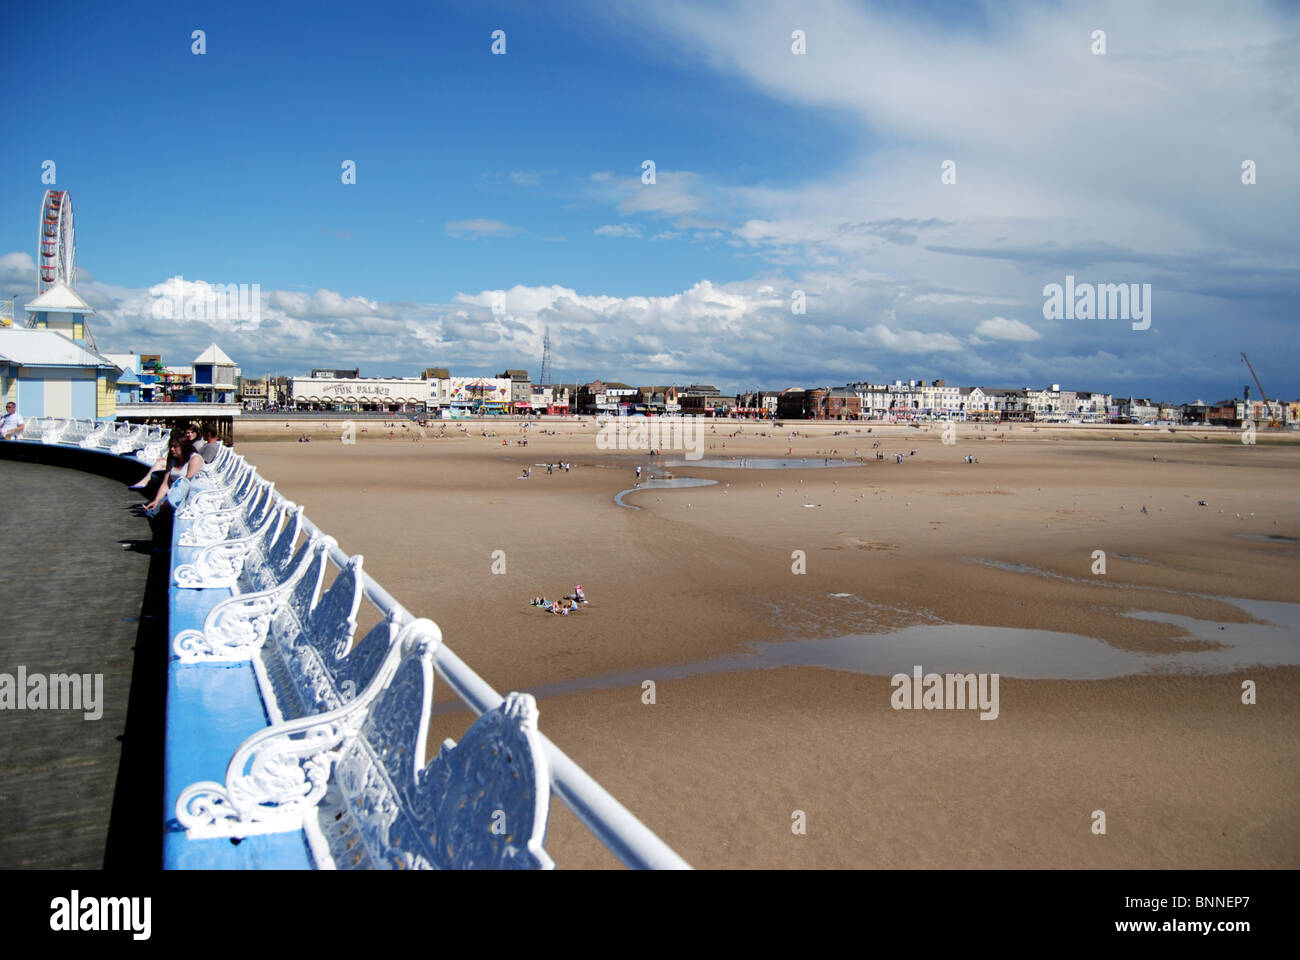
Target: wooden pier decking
{"type": "Point", "coordinates": [79, 597]}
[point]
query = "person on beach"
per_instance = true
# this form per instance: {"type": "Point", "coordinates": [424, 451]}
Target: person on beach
{"type": "Point", "coordinates": [12, 423]}
{"type": "Point", "coordinates": [638, 474]}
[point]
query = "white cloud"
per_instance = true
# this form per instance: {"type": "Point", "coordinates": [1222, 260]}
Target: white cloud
{"type": "Point", "coordinates": [619, 230]}
{"type": "Point", "coordinates": [523, 178]}
{"type": "Point", "coordinates": [914, 341]}
{"type": "Point", "coordinates": [858, 325]}
{"type": "Point", "coordinates": [673, 194]}
{"type": "Point", "coordinates": [1002, 102]}
{"type": "Point", "coordinates": [1003, 328]}
{"type": "Point", "coordinates": [18, 275]}
{"type": "Point", "coordinates": [950, 298]}
{"type": "Point", "coordinates": [480, 228]}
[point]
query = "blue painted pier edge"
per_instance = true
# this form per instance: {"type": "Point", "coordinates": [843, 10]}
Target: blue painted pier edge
{"type": "Point", "coordinates": [211, 709]}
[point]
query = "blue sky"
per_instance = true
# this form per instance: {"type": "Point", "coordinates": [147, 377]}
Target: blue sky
{"type": "Point", "coordinates": [775, 172]}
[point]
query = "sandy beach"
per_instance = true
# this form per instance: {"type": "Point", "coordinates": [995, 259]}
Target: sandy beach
{"type": "Point", "coordinates": [698, 590]}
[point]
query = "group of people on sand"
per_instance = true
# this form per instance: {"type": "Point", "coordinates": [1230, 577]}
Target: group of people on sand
{"type": "Point", "coordinates": [564, 606]}
{"type": "Point", "coordinates": [563, 465]}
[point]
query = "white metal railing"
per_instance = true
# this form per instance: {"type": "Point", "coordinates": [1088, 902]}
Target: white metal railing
{"type": "Point", "coordinates": [613, 824]}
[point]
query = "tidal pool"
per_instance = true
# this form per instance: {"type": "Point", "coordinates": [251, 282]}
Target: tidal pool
{"type": "Point", "coordinates": [661, 483]}
{"type": "Point", "coordinates": [765, 463]}
{"type": "Point", "coordinates": [1010, 652]}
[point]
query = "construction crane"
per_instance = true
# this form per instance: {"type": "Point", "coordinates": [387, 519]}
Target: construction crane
{"type": "Point", "coordinates": [1272, 420]}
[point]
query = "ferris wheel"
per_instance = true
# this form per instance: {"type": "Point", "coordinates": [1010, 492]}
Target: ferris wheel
{"type": "Point", "coordinates": [56, 247]}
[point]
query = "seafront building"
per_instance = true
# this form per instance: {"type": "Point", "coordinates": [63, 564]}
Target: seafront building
{"type": "Point", "coordinates": [129, 387]}
{"type": "Point", "coordinates": [50, 375]}
{"type": "Point", "coordinates": [51, 368]}
{"type": "Point", "coordinates": [327, 391]}
{"type": "Point", "coordinates": [439, 394]}
{"type": "Point", "coordinates": [214, 376]}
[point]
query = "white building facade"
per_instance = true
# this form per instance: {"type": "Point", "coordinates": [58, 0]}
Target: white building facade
{"type": "Point", "coordinates": [405, 394]}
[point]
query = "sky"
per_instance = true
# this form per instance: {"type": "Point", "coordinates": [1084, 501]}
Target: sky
{"type": "Point", "coordinates": [890, 203]}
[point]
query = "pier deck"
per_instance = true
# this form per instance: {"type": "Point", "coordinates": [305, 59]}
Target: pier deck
{"type": "Point", "coordinates": [76, 600]}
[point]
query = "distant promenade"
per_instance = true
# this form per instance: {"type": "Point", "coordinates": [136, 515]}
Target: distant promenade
{"type": "Point", "coordinates": [74, 599]}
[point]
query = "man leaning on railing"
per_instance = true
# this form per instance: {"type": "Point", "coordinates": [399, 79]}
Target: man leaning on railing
{"type": "Point", "coordinates": [12, 423]}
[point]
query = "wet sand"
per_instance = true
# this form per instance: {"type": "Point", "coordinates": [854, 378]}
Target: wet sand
{"type": "Point", "coordinates": [1187, 775]}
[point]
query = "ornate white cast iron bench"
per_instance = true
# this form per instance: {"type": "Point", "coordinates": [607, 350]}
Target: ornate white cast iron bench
{"type": "Point", "coordinates": [251, 561]}
{"type": "Point", "coordinates": [239, 520]}
{"type": "Point", "coordinates": [155, 446]}
{"type": "Point", "coordinates": [76, 431]}
{"type": "Point", "coordinates": [213, 491]}
{"type": "Point", "coordinates": [354, 778]}
{"type": "Point", "coordinates": [133, 439]}
{"type": "Point", "coordinates": [218, 489]}
{"type": "Point", "coordinates": [96, 437]}
{"type": "Point", "coordinates": [319, 693]}
{"type": "Point", "coordinates": [236, 627]}
{"type": "Point", "coordinates": [223, 457]}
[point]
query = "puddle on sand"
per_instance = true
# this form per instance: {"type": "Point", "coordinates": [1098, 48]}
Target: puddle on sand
{"type": "Point", "coordinates": [1132, 559]}
{"type": "Point", "coordinates": [1277, 540]}
{"type": "Point", "coordinates": [765, 463]}
{"type": "Point", "coordinates": [1009, 652]}
{"type": "Point", "coordinates": [661, 483]}
{"type": "Point", "coordinates": [1011, 567]}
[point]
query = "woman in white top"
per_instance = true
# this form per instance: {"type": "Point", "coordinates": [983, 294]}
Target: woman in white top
{"type": "Point", "coordinates": [182, 461]}
{"type": "Point", "coordinates": [160, 464]}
